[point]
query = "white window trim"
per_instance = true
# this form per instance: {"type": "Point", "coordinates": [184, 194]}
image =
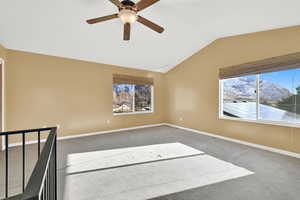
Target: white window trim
{"type": "Point", "coordinates": [133, 113]}
{"type": "Point", "coordinates": [257, 97]}
{"type": "Point", "coordinates": [140, 112]}
{"type": "Point", "coordinates": [257, 120]}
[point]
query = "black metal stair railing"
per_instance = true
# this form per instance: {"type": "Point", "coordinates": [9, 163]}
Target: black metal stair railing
{"type": "Point", "coordinates": [42, 184]}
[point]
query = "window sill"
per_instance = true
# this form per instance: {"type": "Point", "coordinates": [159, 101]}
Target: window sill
{"type": "Point", "coordinates": [133, 113]}
{"type": "Point", "coordinates": [276, 123]}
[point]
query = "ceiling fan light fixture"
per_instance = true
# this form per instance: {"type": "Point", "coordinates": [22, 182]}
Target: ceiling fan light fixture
{"type": "Point", "coordinates": [128, 16]}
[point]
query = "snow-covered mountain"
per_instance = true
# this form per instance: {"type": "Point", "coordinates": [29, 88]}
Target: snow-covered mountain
{"type": "Point", "coordinates": [270, 92]}
{"type": "Point", "coordinates": [244, 89]}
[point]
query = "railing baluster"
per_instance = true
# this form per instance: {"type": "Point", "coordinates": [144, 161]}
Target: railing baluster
{"type": "Point", "coordinates": [51, 176]}
{"type": "Point", "coordinates": [44, 192]}
{"type": "Point", "coordinates": [23, 161]}
{"type": "Point", "coordinates": [6, 166]}
{"type": "Point", "coordinates": [50, 195]}
{"type": "Point", "coordinates": [42, 195]}
{"type": "Point", "coordinates": [39, 143]}
{"type": "Point", "coordinates": [55, 168]}
{"type": "Point", "coordinates": [48, 180]}
{"type": "Point", "coordinates": [46, 187]}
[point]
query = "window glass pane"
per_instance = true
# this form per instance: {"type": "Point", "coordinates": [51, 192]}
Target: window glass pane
{"type": "Point", "coordinates": [143, 98]}
{"type": "Point", "coordinates": [123, 98]}
{"type": "Point", "coordinates": [239, 97]}
{"type": "Point", "coordinates": [277, 96]}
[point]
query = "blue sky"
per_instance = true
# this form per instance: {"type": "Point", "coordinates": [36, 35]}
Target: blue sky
{"type": "Point", "coordinates": [122, 87]}
{"type": "Point", "coordinates": [289, 79]}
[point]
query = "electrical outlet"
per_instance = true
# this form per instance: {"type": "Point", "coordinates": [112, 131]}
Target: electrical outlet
{"type": "Point", "coordinates": [108, 121]}
{"type": "Point", "coordinates": [180, 119]}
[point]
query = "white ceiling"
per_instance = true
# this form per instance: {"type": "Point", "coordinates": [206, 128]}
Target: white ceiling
{"type": "Point", "coordinates": [58, 28]}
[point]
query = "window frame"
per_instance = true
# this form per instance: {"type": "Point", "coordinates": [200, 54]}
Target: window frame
{"type": "Point", "coordinates": [139, 112]}
{"type": "Point", "coordinates": [257, 120]}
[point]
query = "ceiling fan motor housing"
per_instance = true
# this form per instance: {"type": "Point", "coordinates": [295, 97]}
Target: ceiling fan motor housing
{"type": "Point", "coordinates": [128, 3]}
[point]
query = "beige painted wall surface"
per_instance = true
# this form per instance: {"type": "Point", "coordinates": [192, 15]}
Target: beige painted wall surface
{"type": "Point", "coordinates": [2, 56]}
{"type": "Point", "coordinates": [45, 91]}
{"type": "Point", "coordinates": [192, 87]}
{"type": "Point", "coordinates": [2, 52]}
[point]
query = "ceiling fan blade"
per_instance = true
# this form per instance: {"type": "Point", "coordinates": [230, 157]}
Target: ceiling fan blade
{"type": "Point", "coordinates": [126, 31]}
{"type": "Point", "coordinates": [142, 4]}
{"type": "Point", "coordinates": [150, 24]}
{"type": "Point", "coordinates": [101, 19]}
{"type": "Point", "coordinates": [116, 2]}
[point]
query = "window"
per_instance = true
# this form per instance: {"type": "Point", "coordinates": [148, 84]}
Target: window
{"type": "Point", "coordinates": [266, 97]}
{"type": "Point", "coordinates": [239, 97]}
{"type": "Point", "coordinates": [132, 98]}
{"type": "Point", "coordinates": [142, 98]}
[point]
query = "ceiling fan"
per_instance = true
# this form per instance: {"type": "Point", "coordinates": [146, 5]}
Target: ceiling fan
{"type": "Point", "coordinates": [128, 14]}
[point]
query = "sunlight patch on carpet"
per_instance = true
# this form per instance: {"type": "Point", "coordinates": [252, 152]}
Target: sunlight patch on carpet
{"type": "Point", "coordinates": [146, 180]}
{"type": "Point", "coordinates": [97, 160]}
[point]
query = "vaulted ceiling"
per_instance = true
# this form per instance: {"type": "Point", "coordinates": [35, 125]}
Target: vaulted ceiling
{"type": "Point", "coordinates": [58, 28]}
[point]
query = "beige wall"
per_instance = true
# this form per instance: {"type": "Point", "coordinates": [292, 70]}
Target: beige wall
{"type": "Point", "coordinates": [192, 87]}
{"type": "Point", "coordinates": [2, 56]}
{"type": "Point", "coordinates": [45, 91]}
{"type": "Point", "coordinates": [2, 52]}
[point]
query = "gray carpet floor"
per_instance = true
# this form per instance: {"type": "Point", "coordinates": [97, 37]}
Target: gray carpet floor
{"type": "Point", "coordinates": [276, 177]}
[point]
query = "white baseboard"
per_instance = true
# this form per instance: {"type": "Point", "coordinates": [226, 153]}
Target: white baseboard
{"type": "Point", "coordinates": [283, 152]}
{"type": "Point", "coordinates": [87, 134]}
{"type": "Point", "coordinates": [109, 131]}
